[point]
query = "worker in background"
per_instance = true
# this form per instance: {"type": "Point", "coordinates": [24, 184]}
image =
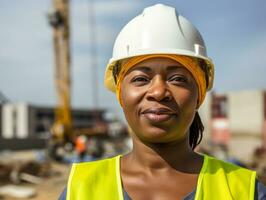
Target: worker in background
{"type": "Point", "coordinates": [81, 146]}
{"type": "Point", "coordinates": [160, 73]}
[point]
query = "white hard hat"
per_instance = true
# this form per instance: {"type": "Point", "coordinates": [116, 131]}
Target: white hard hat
{"type": "Point", "coordinates": [158, 30]}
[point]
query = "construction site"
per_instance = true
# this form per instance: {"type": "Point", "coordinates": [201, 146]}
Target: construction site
{"type": "Point", "coordinates": [39, 143]}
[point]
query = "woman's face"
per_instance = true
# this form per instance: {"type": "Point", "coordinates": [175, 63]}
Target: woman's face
{"type": "Point", "coordinates": [159, 100]}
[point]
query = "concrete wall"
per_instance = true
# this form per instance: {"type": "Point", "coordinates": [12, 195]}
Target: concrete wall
{"type": "Point", "coordinates": [8, 121]}
{"type": "Point", "coordinates": [22, 120]}
{"type": "Point", "coordinates": [246, 120]}
{"type": "Point", "coordinates": [14, 121]}
{"type": "Point", "coordinates": [246, 112]}
{"type": "Point", "coordinates": [243, 147]}
{"type": "Point", "coordinates": [205, 115]}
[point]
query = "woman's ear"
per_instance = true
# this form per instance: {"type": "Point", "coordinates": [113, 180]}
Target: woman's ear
{"type": "Point", "coordinates": [197, 105]}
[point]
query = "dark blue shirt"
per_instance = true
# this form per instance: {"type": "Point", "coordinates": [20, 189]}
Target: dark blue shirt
{"type": "Point", "coordinates": [260, 193]}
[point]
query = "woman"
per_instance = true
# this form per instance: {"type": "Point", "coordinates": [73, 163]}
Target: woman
{"type": "Point", "coordinates": [160, 73]}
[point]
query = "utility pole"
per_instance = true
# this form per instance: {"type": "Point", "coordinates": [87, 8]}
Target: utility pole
{"type": "Point", "coordinates": [93, 54]}
{"type": "Point", "coordinates": [59, 20]}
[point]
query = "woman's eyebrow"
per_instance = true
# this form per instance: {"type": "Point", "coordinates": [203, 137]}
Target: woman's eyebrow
{"type": "Point", "coordinates": [141, 68]}
{"type": "Point", "coordinates": [174, 67]}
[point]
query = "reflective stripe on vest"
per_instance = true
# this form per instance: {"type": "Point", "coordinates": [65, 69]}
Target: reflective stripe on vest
{"type": "Point", "coordinates": [100, 180]}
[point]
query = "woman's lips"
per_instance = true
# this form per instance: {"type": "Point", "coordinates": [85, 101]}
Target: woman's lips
{"type": "Point", "coordinates": [157, 118]}
{"type": "Point", "coordinates": [157, 115]}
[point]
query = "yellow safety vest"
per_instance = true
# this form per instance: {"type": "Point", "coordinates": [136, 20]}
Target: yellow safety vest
{"type": "Point", "coordinates": [101, 180]}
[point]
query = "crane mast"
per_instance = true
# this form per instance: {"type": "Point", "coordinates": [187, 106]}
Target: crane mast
{"type": "Point", "coordinates": [62, 130]}
{"type": "Point", "coordinates": [59, 20]}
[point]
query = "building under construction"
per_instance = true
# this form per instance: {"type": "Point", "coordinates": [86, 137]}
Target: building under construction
{"type": "Point", "coordinates": [236, 120]}
{"type": "Point", "coordinates": [26, 126]}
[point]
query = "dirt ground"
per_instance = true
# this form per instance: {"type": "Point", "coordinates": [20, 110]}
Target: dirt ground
{"type": "Point", "coordinates": [50, 187]}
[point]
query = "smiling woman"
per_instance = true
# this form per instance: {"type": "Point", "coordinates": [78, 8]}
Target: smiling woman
{"type": "Point", "coordinates": [160, 73]}
{"type": "Point", "coordinates": [159, 99]}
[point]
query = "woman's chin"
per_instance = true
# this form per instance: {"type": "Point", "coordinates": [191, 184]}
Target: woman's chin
{"type": "Point", "coordinates": [160, 134]}
{"type": "Point", "coordinates": [156, 135]}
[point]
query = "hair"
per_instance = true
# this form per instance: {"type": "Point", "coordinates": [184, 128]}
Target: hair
{"type": "Point", "coordinates": [116, 70]}
{"type": "Point", "coordinates": [195, 131]}
{"type": "Point", "coordinates": [196, 128]}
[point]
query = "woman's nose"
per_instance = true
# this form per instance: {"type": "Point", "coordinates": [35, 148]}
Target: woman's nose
{"type": "Point", "coordinates": [159, 91]}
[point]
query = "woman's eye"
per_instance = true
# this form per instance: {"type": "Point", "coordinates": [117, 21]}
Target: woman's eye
{"type": "Point", "coordinates": [178, 79]}
{"type": "Point", "coordinates": [140, 79]}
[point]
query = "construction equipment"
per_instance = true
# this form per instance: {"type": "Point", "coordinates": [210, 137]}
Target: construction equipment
{"type": "Point", "coordinates": [63, 133]}
{"type": "Point", "coordinates": [59, 20]}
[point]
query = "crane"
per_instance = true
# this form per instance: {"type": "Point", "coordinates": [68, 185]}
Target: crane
{"type": "Point", "coordinates": [62, 130]}
{"type": "Point", "coordinates": [59, 21]}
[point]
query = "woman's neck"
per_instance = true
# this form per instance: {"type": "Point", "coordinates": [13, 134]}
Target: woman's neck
{"type": "Point", "coordinates": [176, 156]}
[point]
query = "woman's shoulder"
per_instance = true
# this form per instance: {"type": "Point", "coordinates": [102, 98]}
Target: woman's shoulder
{"type": "Point", "coordinates": [215, 163]}
{"type": "Point", "coordinates": [214, 169]}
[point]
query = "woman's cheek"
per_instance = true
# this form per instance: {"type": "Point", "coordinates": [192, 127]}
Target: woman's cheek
{"type": "Point", "coordinates": [131, 95]}
{"type": "Point", "coordinates": [188, 98]}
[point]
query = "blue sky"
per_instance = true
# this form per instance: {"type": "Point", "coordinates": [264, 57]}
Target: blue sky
{"type": "Point", "coordinates": [234, 32]}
